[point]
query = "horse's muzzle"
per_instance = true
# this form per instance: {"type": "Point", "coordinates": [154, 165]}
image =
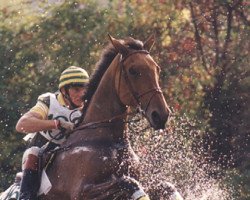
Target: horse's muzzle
{"type": "Point", "coordinates": [159, 120]}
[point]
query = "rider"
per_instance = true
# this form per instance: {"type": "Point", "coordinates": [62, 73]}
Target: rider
{"type": "Point", "coordinates": [53, 113]}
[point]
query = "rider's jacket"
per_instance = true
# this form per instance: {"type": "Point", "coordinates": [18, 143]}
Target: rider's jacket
{"type": "Point", "coordinates": [51, 106]}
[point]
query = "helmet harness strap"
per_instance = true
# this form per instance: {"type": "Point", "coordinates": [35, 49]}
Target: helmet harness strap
{"type": "Point", "coordinates": [67, 96]}
{"type": "Point", "coordinates": [72, 76]}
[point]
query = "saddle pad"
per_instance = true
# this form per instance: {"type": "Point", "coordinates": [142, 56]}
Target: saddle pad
{"type": "Point", "coordinates": [45, 184]}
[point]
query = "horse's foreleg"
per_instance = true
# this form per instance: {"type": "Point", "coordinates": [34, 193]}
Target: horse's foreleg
{"type": "Point", "coordinates": [165, 190]}
{"type": "Point", "coordinates": [117, 188]}
{"type": "Point", "coordinates": [98, 192]}
{"type": "Point", "coordinates": [132, 189]}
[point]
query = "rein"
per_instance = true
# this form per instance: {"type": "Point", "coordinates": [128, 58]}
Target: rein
{"type": "Point", "coordinates": [93, 125]}
{"type": "Point", "coordinates": [97, 124]}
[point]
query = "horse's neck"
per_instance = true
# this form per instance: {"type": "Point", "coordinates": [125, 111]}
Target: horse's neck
{"type": "Point", "coordinates": [105, 104]}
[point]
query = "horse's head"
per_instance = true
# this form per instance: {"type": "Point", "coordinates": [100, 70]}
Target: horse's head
{"type": "Point", "coordinates": [137, 83]}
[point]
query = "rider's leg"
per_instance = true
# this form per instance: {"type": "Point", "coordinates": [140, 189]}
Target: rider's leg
{"type": "Point", "coordinates": [30, 181]}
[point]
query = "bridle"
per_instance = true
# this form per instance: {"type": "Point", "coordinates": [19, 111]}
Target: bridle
{"type": "Point", "coordinates": [135, 95]}
{"type": "Point", "coordinates": [106, 122]}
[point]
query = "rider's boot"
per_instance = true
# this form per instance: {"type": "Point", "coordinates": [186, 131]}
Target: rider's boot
{"type": "Point", "coordinates": [30, 181]}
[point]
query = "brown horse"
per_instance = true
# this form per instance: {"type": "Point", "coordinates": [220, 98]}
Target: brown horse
{"type": "Point", "coordinates": [97, 161]}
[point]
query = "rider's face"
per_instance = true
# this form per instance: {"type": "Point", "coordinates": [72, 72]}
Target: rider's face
{"type": "Point", "coordinates": [76, 93]}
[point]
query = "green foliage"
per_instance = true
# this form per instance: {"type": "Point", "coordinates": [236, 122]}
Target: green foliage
{"type": "Point", "coordinates": [39, 40]}
{"type": "Point", "coordinates": [32, 57]}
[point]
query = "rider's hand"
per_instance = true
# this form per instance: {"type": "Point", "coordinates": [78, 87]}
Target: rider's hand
{"type": "Point", "coordinates": [63, 125]}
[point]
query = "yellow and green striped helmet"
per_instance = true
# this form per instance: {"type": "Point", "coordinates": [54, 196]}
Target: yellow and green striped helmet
{"type": "Point", "coordinates": [73, 76]}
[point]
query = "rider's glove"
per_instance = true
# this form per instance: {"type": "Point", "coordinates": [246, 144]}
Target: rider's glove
{"type": "Point", "coordinates": [63, 125]}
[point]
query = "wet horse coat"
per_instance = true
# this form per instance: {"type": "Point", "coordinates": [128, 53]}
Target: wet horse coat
{"type": "Point", "coordinates": [98, 153]}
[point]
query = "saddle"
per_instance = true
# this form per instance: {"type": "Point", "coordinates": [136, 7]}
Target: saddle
{"type": "Point", "coordinates": [46, 156]}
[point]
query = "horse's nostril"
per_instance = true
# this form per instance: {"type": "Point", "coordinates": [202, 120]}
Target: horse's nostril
{"type": "Point", "coordinates": [155, 116]}
{"type": "Point", "coordinates": [159, 122]}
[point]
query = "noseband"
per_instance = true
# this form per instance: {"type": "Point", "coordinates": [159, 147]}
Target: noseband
{"type": "Point", "coordinates": [135, 95]}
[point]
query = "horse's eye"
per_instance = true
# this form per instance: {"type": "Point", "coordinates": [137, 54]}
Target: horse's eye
{"type": "Point", "coordinates": [133, 72]}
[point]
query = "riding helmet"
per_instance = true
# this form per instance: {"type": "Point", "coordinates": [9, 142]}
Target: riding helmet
{"type": "Point", "coordinates": [73, 76]}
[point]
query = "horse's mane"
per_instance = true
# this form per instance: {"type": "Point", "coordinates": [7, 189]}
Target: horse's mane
{"type": "Point", "coordinates": [101, 67]}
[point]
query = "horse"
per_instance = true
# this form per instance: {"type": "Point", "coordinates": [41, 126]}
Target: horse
{"type": "Point", "coordinates": [97, 162]}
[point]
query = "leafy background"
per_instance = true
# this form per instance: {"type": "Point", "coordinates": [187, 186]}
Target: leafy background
{"type": "Point", "coordinates": [202, 46]}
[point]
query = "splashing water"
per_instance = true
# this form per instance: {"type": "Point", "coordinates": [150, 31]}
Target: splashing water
{"type": "Point", "coordinates": [170, 156]}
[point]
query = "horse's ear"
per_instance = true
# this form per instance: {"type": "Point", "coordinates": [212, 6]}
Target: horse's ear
{"type": "Point", "coordinates": [148, 44]}
{"type": "Point", "coordinates": [119, 46]}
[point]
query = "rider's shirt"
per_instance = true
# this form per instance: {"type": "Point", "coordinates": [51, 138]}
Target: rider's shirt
{"type": "Point", "coordinates": [43, 103]}
{"type": "Point", "coordinates": [52, 106]}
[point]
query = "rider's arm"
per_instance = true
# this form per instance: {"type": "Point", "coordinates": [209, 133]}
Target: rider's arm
{"type": "Point", "coordinates": [35, 120]}
{"type": "Point", "coordinates": [32, 122]}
